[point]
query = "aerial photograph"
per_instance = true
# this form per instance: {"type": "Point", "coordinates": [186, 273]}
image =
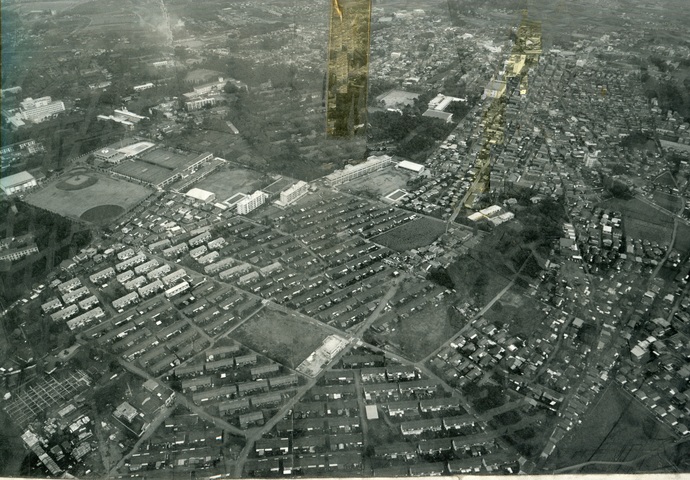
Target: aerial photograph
{"type": "Point", "coordinates": [344, 238]}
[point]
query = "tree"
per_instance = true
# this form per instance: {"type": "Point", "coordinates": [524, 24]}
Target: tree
{"type": "Point", "coordinates": [441, 277]}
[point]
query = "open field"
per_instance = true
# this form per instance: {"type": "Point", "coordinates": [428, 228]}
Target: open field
{"type": "Point", "coordinates": [282, 337]}
{"type": "Point", "coordinates": [475, 278]}
{"type": "Point", "coordinates": [682, 239]}
{"type": "Point", "coordinates": [420, 325]}
{"type": "Point", "coordinates": [414, 234]}
{"type": "Point", "coordinates": [668, 201]}
{"type": "Point", "coordinates": [379, 184]}
{"type": "Point", "coordinates": [520, 314]}
{"type": "Point", "coordinates": [641, 220]}
{"type": "Point", "coordinates": [421, 333]}
{"type": "Point", "coordinates": [616, 429]}
{"type": "Point", "coordinates": [102, 200]}
{"type": "Point", "coordinates": [227, 181]}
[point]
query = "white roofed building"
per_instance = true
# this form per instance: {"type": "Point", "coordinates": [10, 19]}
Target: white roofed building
{"type": "Point", "coordinates": [414, 167]}
{"type": "Point", "coordinates": [17, 183]}
{"type": "Point", "coordinates": [251, 202]}
{"type": "Point", "coordinates": [203, 195]}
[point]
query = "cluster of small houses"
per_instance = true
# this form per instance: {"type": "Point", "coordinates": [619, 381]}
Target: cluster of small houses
{"type": "Point", "coordinates": [207, 383]}
{"type": "Point", "coordinates": [324, 431]}
{"type": "Point", "coordinates": [74, 298]}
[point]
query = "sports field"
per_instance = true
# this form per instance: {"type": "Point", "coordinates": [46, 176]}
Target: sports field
{"type": "Point", "coordinates": [414, 234]}
{"type": "Point", "coordinates": [227, 181]}
{"type": "Point", "coordinates": [89, 196]}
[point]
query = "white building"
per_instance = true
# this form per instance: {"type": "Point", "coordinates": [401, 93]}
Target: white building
{"type": "Point", "coordinates": [177, 289]}
{"type": "Point", "coordinates": [351, 172]}
{"type": "Point", "coordinates": [251, 202]}
{"type": "Point", "coordinates": [102, 275]}
{"type": "Point", "coordinates": [18, 253]}
{"type": "Point", "coordinates": [145, 86]}
{"type": "Point", "coordinates": [293, 193]}
{"type": "Point", "coordinates": [122, 302]}
{"type": "Point", "coordinates": [17, 183]}
{"type": "Point", "coordinates": [146, 267]}
{"type": "Point", "coordinates": [37, 110]}
{"type": "Point", "coordinates": [175, 276]}
{"type": "Point", "coordinates": [85, 318]}
{"type": "Point", "coordinates": [152, 287]}
{"type": "Point", "coordinates": [203, 195]}
{"type": "Point", "coordinates": [65, 313]}
{"type": "Point", "coordinates": [407, 165]}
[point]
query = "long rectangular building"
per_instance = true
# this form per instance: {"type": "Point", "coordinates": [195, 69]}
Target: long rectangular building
{"type": "Point", "coordinates": [351, 172]}
{"type": "Point", "coordinates": [251, 202]}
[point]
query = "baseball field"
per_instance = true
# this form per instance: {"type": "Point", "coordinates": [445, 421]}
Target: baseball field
{"type": "Point", "coordinates": [89, 196]}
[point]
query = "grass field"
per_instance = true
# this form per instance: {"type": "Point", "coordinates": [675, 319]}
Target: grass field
{"type": "Point", "coordinates": [282, 337]}
{"type": "Point", "coordinates": [227, 181]}
{"type": "Point", "coordinates": [521, 315]}
{"type": "Point", "coordinates": [108, 195]}
{"type": "Point", "coordinates": [414, 234]}
{"type": "Point", "coordinates": [682, 239]}
{"type": "Point", "coordinates": [616, 429]}
{"type": "Point", "coordinates": [420, 334]}
{"type": "Point", "coordinates": [641, 220]}
{"type": "Point", "coordinates": [668, 201]}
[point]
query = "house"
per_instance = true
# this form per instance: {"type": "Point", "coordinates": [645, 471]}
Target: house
{"type": "Point", "coordinates": [272, 446]}
{"type": "Point", "coordinates": [469, 465]}
{"type": "Point", "coordinates": [401, 372]}
{"type": "Point", "coordinates": [428, 469]}
{"type": "Point", "coordinates": [244, 360]}
{"type": "Point", "coordinates": [233, 406]}
{"type": "Point", "coordinates": [439, 404]}
{"type": "Point", "coordinates": [362, 361]}
{"type": "Point", "coordinates": [418, 386]}
{"type": "Point", "coordinates": [304, 464]}
{"type": "Point", "coordinates": [310, 444]}
{"type": "Point", "coordinates": [454, 423]}
{"type": "Point", "coordinates": [283, 381]}
{"type": "Point", "coordinates": [252, 418]}
{"type": "Point", "coordinates": [343, 424]}
{"type": "Point", "coordinates": [266, 400]}
{"type": "Point", "coordinates": [417, 427]}
{"type": "Point", "coordinates": [345, 461]}
{"type": "Point", "coordinates": [263, 370]}
{"type": "Point", "coordinates": [435, 446]}
{"type": "Point", "coordinates": [250, 387]}
{"type": "Point", "coordinates": [373, 374]}
{"type": "Point", "coordinates": [346, 441]}
{"type": "Point", "coordinates": [338, 376]}
{"type": "Point", "coordinates": [394, 451]}
{"type": "Point", "coordinates": [386, 390]}
{"type": "Point", "coordinates": [402, 409]}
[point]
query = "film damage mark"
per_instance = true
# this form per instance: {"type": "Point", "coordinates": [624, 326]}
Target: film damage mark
{"type": "Point", "coordinates": [348, 68]}
{"type": "Point", "coordinates": [513, 80]}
